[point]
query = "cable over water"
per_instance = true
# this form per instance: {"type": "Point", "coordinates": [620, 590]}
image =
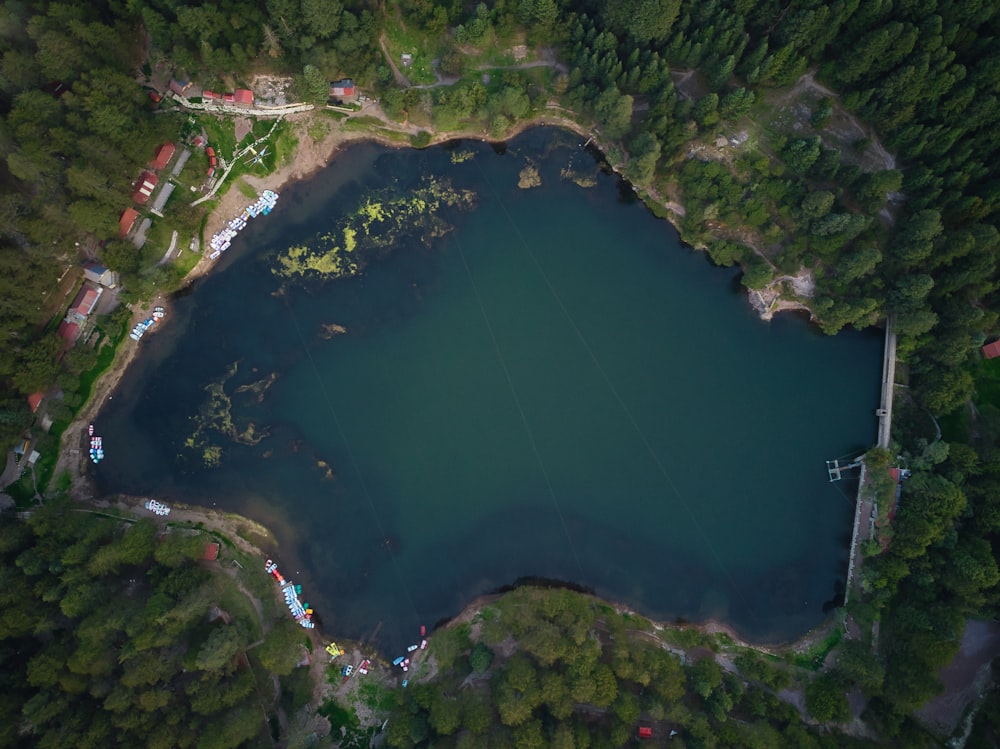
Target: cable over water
{"type": "Point", "coordinates": [614, 391]}
{"type": "Point", "coordinates": [517, 402]}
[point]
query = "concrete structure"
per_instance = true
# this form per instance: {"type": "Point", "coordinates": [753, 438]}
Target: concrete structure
{"type": "Point", "coordinates": [884, 411]}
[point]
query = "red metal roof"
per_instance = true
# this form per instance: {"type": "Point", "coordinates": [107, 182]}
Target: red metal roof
{"type": "Point", "coordinates": [206, 94]}
{"type": "Point", "coordinates": [991, 350]}
{"type": "Point", "coordinates": [129, 215]}
{"type": "Point", "coordinates": [211, 552]}
{"type": "Point", "coordinates": [645, 732]}
{"type": "Point", "coordinates": [209, 151]}
{"type": "Point", "coordinates": [146, 182]}
{"type": "Point", "coordinates": [70, 331]}
{"type": "Point", "coordinates": [85, 301]}
{"type": "Point", "coordinates": [34, 400]}
{"type": "Point", "coordinates": [244, 96]}
{"type": "Point", "coordinates": [163, 155]}
{"type": "Point", "coordinates": [229, 98]}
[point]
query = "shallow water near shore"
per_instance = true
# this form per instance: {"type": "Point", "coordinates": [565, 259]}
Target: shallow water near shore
{"type": "Point", "coordinates": [555, 388]}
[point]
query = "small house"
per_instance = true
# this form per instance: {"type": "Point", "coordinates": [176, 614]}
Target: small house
{"type": "Point", "coordinates": [342, 88]}
{"type": "Point", "coordinates": [179, 87]}
{"type": "Point", "coordinates": [210, 96]}
{"type": "Point", "coordinates": [144, 187]}
{"type": "Point", "coordinates": [84, 303]}
{"type": "Point", "coordinates": [229, 99]}
{"type": "Point", "coordinates": [991, 350]}
{"type": "Point", "coordinates": [127, 221]}
{"type": "Point", "coordinates": [163, 155]}
{"type": "Point", "coordinates": [97, 273]}
{"type": "Point", "coordinates": [645, 732]}
{"type": "Point", "coordinates": [244, 97]}
{"type": "Point", "coordinates": [35, 400]}
{"type": "Point", "coordinates": [211, 552]}
{"type": "Point", "coordinates": [69, 332]}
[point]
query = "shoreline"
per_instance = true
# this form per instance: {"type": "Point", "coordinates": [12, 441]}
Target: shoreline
{"type": "Point", "coordinates": [310, 156]}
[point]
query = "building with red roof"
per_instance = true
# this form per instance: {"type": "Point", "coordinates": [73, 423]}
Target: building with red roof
{"type": "Point", "coordinates": [163, 155]}
{"type": "Point", "coordinates": [69, 331]}
{"type": "Point", "coordinates": [85, 302]}
{"type": "Point", "coordinates": [342, 88]}
{"type": "Point", "coordinates": [35, 400]}
{"type": "Point", "coordinates": [229, 99]}
{"type": "Point", "coordinates": [244, 97]}
{"type": "Point", "coordinates": [211, 552]}
{"type": "Point", "coordinates": [127, 221]}
{"type": "Point", "coordinates": [145, 186]}
{"type": "Point", "coordinates": [645, 732]}
{"type": "Point", "coordinates": [991, 350]}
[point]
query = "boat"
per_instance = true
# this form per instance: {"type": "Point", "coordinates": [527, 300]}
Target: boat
{"type": "Point", "coordinates": [398, 661]}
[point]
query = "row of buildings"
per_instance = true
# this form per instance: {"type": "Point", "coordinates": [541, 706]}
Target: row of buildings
{"type": "Point", "coordinates": [146, 185]}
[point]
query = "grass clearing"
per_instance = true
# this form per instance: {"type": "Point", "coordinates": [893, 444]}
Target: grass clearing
{"type": "Point", "coordinates": [400, 41]}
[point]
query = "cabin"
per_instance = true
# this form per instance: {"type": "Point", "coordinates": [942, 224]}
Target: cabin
{"type": "Point", "coordinates": [244, 97]}
{"type": "Point", "coordinates": [84, 303]}
{"type": "Point", "coordinates": [210, 96]}
{"type": "Point", "coordinates": [127, 221]}
{"type": "Point", "coordinates": [97, 273]}
{"type": "Point", "coordinates": [179, 87]}
{"type": "Point", "coordinates": [342, 88]}
{"type": "Point", "coordinates": [991, 350]}
{"type": "Point", "coordinates": [35, 400]}
{"type": "Point", "coordinates": [69, 332]}
{"type": "Point", "coordinates": [645, 732]}
{"type": "Point", "coordinates": [145, 186]}
{"type": "Point", "coordinates": [211, 552]}
{"type": "Point", "coordinates": [163, 155]}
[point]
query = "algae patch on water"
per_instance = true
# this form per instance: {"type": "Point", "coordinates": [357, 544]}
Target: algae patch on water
{"type": "Point", "coordinates": [382, 220]}
{"type": "Point", "coordinates": [216, 416]}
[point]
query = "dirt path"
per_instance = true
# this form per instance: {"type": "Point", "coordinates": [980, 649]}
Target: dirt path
{"type": "Point", "coordinates": [401, 79]}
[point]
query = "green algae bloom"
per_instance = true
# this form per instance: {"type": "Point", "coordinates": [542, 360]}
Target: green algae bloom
{"type": "Point", "coordinates": [381, 221]}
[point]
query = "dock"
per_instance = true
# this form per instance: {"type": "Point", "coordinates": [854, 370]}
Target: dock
{"type": "Point", "coordinates": [835, 468]}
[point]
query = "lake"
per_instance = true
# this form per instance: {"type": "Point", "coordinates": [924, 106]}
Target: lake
{"type": "Point", "coordinates": [542, 383]}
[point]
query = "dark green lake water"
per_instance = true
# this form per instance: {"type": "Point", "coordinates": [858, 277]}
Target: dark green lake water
{"type": "Point", "coordinates": [556, 389]}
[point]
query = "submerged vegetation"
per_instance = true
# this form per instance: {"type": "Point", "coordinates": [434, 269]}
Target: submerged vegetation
{"type": "Point", "coordinates": [381, 222]}
{"type": "Point", "coordinates": [216, 415]}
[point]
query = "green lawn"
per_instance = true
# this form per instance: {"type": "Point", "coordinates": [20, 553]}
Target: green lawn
{"type": "Point", "coordinates": [400, 40]}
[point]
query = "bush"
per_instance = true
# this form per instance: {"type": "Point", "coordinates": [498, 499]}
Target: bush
{"type": "Point", "coordinates": [481, 658]}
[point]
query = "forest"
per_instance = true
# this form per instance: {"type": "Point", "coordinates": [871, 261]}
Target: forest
{"type": "Point", "coordinates": [113, 633]}
{"type": "Point", "coordinates": [662, 83]}
{"type": "Point", "coordinates": [554, 668]}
